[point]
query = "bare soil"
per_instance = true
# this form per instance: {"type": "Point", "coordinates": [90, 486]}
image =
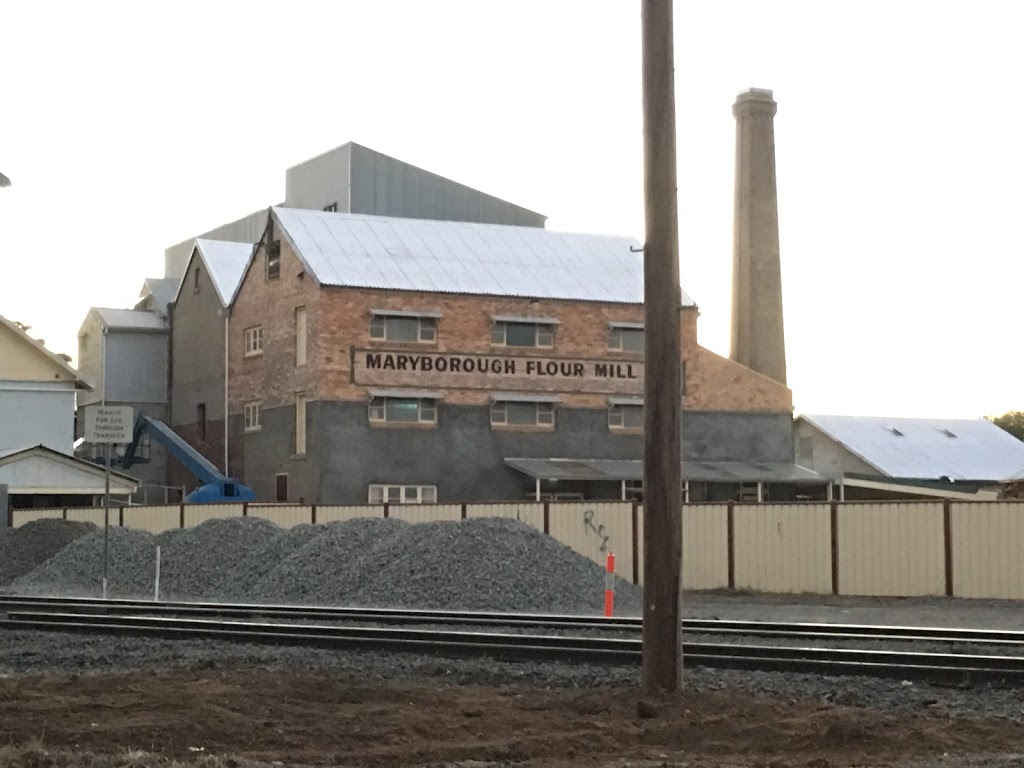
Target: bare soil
{"type": "Point", "coordinates": [314, 719]}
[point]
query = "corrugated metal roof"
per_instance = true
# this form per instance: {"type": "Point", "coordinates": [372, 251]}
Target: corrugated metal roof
{"type": "Point", "coordinates": [960, 449]}
{"type": "Point", "coordinates": [55, 358]}
{"type": "Point", "coordinates": [130, 319]}
{"type": "Point", "coordinates": [694, 471]}
{"type": "Point", "coordinates": [162, 289]}
{"type": "Point", "coordinates": [457, 257]}
{"type": "Point", "coordinates": [225, 263]}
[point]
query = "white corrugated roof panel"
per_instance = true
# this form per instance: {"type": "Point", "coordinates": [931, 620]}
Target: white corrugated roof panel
{"type": "Point", "coordinates": [225, 263]}
{"type": "Point", "coordinates": [130, 319]}
{"type": "Point", "coordinates": [960, 449]}
{"type": "Point", "coordinates": [362, 251]}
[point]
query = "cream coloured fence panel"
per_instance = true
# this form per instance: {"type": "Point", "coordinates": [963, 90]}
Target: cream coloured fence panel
{"type": "Point", "coordinates": [891, 548]}
{"type": "Point", "coordinates": [94, 515]}
{"type": "Point", "coordinates": [22, 516]}
{"type": "Point", "coordinates": [705, 546]}
{"type": "Point", "coordinates": [200, 513]}
{"type": "Point", "coordinates": [988, 549]}
{"type": "Point", "coordinates": [425, 513]}
{"type": "Point", "coordinates": [531, 513]}
{"type": "Point", "coordinates": [783, 547]}
{"type": "Point", "coordinates": [155, 519]}
{"type": "Point", "coordinates": [284, 515]}
{"type": "Point", "coordinates": [336, 513]}
{"type": "Point", "coordinates": [640, 544]}
{"type": "Point", "coordinates": [594, 529]}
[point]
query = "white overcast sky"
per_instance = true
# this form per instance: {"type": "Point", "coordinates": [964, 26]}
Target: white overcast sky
{"type": "Point", "coordinates": [129, 126]}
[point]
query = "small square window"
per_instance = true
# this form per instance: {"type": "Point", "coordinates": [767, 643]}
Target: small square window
{"type": "Point", "coordinates": [625, 339]}
{"type": "Point", "coordinates": [622, 416]}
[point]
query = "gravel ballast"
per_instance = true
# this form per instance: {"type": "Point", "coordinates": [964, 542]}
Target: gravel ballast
{"type": "Point", "coordinates": [478, 564]}
{"type": "Point", "coordinates": [25, 548]}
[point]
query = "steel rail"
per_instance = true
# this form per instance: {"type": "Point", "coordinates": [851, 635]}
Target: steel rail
{"type": "Point", "coordinates": [394, 616]}
{"type": "Point", "coordinates": [935, 667]}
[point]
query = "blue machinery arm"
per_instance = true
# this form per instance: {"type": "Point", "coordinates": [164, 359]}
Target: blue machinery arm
{"type": "Point", "coordinates": [216, 485]}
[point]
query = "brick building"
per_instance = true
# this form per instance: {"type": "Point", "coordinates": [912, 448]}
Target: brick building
{"type": "Point", "coordinates": [375, 358]}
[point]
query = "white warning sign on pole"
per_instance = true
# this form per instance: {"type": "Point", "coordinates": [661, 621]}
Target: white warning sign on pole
{"type": "Point", "coordinates": [108, 423]}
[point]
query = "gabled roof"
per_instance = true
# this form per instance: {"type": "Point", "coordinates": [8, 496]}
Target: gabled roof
{"type": "Point", "coordinates": [163, 291]}
{"type": "Point", "coordinates": [129, 319]}
{"type": "Point", "coordinates": [1016, 477]}
{"type": "Point", "coordinates": [54, 358]}
{"type": "Point", "coordinates": [359, 251]}
{"type": "Point", "coordinates": [960, 449]}
{"type": "Point", "coordinates": [38, 469]}
{"type": "Point", "coordinates": [693, 471]}
{"type": "Point", "coordinates": [225, 263]}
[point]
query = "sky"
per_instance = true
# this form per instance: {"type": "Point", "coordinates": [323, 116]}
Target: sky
{"type": "Point", "coordinates": [127, 127]}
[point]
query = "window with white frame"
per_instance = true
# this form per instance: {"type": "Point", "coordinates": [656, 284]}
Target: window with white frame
{"type": "Point", "coordinates": [509, 333]}
{"type": "Point", "coordinates": [625, 338]}
{"type": "Point", "coordinates": [403, 328]}
{"type": "Point", "coordinates": [626, 416]}
{"type": "Point", "coordinates": [254, 341]}
{"type": "Point", "coordinates": [251, 412]}
{"type": "Point", "coordinates": [403, 494]}
{"type": "Point", "coordinates": [403, 410]}
{"type": "Point", "coordinates": [514, 413]}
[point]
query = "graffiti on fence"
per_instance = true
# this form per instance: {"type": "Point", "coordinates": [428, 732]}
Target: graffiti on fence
{"type": "Point", "coordinates": [598, 530]}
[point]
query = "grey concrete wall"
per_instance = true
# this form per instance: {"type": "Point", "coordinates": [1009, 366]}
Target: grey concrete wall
{"type": "Point", "coordinates": [825, 456]}
{"type": "Point", "coordinates": [384, 186]}
{"type": "Point", "coordinates": [197, 353]}
{"type": "Point", "coordinates": [37, 414]}
{"type": "Point", "coordinates": [319, 181]}
{"type": "Point", "coordinates": [244, 230]}
{"type": "Point", "coordinates": [136, 369]}
{"type": "Point", "coordinates": [463, 456]}
{"type": "Point", "coordinates": [90, 359]}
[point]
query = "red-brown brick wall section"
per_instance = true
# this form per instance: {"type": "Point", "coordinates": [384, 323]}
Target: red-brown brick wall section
{"type": "Point", "coordinates": [339, 323]}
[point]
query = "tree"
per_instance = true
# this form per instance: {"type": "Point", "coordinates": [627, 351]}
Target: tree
{"type": "Point", "coordinates": [1012, 422]}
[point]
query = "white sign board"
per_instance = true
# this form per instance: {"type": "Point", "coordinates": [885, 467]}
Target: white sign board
{"type": "Point", "coordinates": [109, 423]}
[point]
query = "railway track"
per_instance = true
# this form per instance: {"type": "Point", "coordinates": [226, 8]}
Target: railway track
{"type": "Point", "coordinates": [221, 622]}
{"type": "Point", "coordinates": [404, 617]}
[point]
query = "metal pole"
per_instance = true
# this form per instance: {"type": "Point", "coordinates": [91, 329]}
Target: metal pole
{"type": "Point", "coordinates": [227, 337]}
{"type": "Point", "coordinates": [106, 520]}
{"type": "Point", "coordinates": [5, 509]}
{"type": "Point", "coordinates": [156, 582]}
{"type": "Point", "coordinates": [662, 621]}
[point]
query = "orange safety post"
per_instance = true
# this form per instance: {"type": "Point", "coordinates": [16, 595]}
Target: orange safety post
{"type": "Point", "coordinates": [609, 584]}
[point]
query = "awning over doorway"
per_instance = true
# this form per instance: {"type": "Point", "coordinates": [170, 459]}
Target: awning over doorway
{"type": "Point", "coordinates": [693, 471]}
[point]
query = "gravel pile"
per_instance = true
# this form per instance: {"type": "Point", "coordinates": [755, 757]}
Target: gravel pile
{"type": "Point", "coordinates": [480, 564]}
{"type": "Point", "coordinates": [25, 548]}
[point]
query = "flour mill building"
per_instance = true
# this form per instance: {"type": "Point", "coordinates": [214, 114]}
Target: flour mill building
{"type": "Point", "coordinates": [385, 359]}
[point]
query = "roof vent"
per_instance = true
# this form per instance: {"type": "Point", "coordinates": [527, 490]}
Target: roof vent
{"type": "Point", "coordinates": [945, 431]}
{"type": "Point", "coordinates": [893, 430]}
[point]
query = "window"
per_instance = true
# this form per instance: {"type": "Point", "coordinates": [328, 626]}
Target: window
{"type": "Point", "coordinates": [332, 208]}
{"type": "Point", "coordinates": [403, 494]}
{"type": "Point", "coordinates": [300, 336]}
{"type": "Point", "coordinates": [195, 280]}
{"type": "Point", "coordinates": [300, 424]}
{"type": "Point", "coordinates": [274, 260]}
{"type": "Point", "coordinates": [252, 416]}
{"type": "Point", "coordinates": [281, 487]}
{"type": "Point", "coordinates": [403, 410]}
{"type": "Point", "coordinates": [401, 328]}
{"type": "Point", "coordinates": [254, 341]}
{"type": "Point", "coordinates": [509, 413]}
{"type": "Point", "coordinates": [625, 339]}
{"type": "Point", "coordinates": [626, 416]}
{"type": "Point", "coordinates": [201, 420]}
{"type": "Point", "coordinates": [506, 333]}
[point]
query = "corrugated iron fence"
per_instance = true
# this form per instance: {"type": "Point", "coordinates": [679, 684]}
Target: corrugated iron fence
{"type": "Point", "coordinates": [961, 549]}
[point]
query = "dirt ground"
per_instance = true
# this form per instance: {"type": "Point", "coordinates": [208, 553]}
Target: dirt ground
{"type": "Point", "coordinates": [313, 719]}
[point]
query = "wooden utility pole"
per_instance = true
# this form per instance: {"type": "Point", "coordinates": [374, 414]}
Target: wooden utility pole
{"type": "Point", "coordinates": [662, 632]}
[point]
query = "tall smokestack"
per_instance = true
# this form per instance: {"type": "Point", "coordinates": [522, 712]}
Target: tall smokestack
{"type": "Point", "coordinates": [758, 337]}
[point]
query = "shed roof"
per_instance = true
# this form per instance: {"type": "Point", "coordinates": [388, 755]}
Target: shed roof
{"type": "Point", "coordinates": [130, 319]}
{"type": "Point", "coordinates": [225, 263]}
{"type": "Point", "coordinates": [694, 471]}
{"type": "Point", "coordinates": [162, 289]}
{"type": "Point", "coordinates": [354, 250]}
{"type": "Point", "coordinates": [58, 360]}
{"type": "Point", "coordinates": [960, 449]}
{"type": "Point", "coordinates": [41, 470]}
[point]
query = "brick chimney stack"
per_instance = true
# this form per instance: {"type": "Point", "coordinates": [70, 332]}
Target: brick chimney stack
{"type": "Point", "coordinates": [758, 337]}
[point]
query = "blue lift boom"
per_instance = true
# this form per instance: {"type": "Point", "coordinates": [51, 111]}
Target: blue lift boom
{"type": "Point", "coordinates": [217, 486]}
